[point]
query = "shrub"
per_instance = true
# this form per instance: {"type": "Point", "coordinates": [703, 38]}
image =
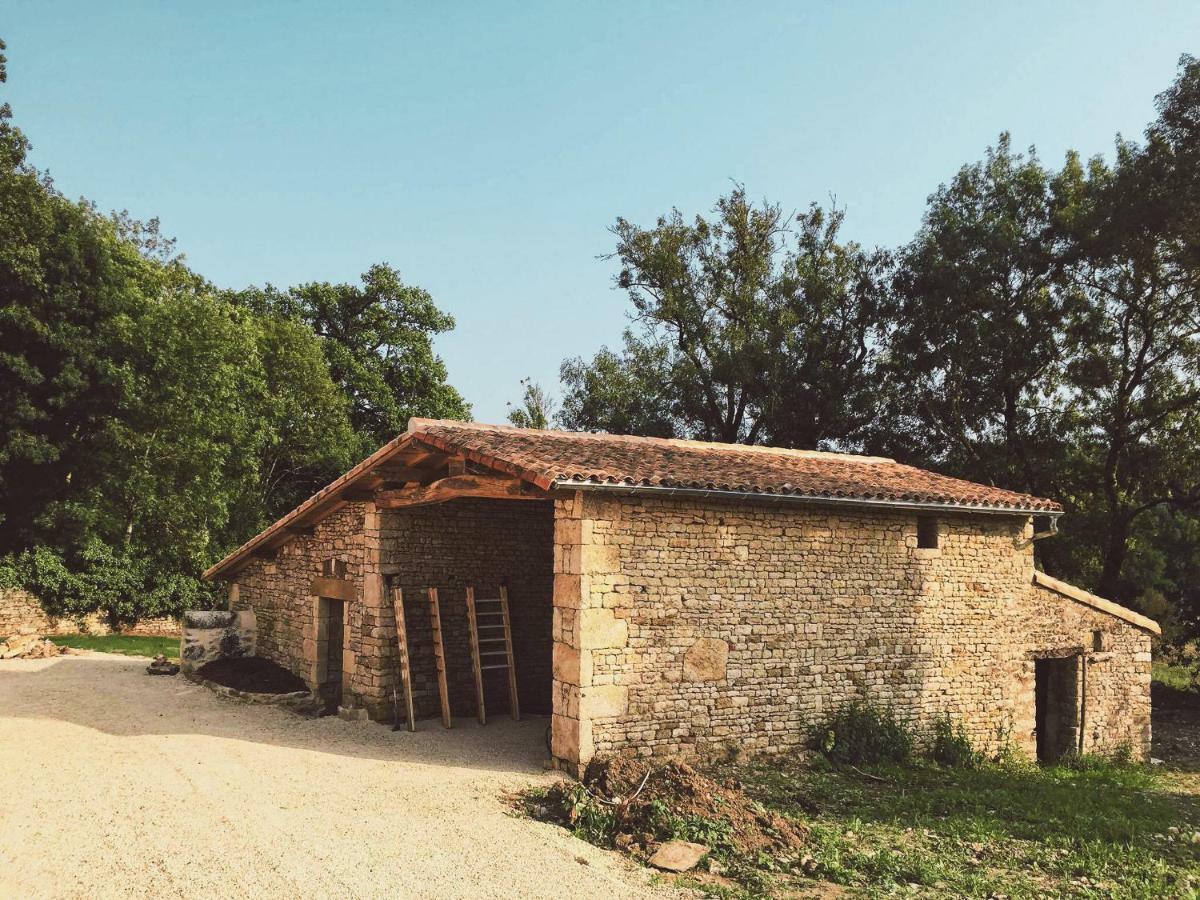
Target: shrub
{"type": "Point", "coordinates": [864, 734]}
{"type": "Point", "coordinates": [950, 745]}
{"type": "Point", "coordinates": [120, 584]}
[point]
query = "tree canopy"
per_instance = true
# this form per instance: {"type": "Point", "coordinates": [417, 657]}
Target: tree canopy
{"type": "Point", "coordinates": [1040, 332]}
{"type": "Point", "coordinates": [151, 422]}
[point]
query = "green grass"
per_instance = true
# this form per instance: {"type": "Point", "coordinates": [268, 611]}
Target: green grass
{"type": "Point", "coordinates": [125, 644]}
{"type": "Point", "coordinates": [1095, 829]}
{"type": "Point", "coordinates": [1091, 828]}
{"type": "Point", "coordinates": [1181, 678]}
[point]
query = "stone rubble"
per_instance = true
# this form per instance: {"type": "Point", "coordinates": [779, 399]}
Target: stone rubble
{"type": "Point", "coordinates": [32, 646]}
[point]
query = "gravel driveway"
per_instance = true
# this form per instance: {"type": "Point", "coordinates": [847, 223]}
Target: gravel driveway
{"type": "Point", "coordinates": [115, 783]}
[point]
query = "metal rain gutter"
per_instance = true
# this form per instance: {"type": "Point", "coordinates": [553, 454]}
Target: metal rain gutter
{"type": "Point", "coordinates": [761, 497]}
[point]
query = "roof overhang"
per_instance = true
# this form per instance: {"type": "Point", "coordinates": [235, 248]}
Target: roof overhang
{"type": "Point", "coordinates": [419, 468]}
{"type": "Point", "coordinates": [1079, 595]}
{"type": "Point", "coordinates": [811, 499]}
{"type": "Point", "coordinates": [408, 471]}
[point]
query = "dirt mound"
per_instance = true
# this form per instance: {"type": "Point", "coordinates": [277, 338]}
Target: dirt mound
{"type": "Point", "coordinates": [660, 799]}
{"type": "Point", "coordinates": [252, 674]}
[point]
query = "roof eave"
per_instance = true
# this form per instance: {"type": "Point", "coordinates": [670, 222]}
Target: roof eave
{"type": "Point", "coordinates": [813, 499]}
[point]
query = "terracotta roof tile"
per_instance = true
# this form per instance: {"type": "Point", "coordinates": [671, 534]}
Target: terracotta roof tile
{"type": "Point", "coordinates": [564, 458]}
{"type": "Point", "coordinates": [561, 457]}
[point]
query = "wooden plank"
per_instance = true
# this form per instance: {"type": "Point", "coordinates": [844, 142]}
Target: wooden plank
{"type": "Point", "coordinates": [439, 655]}
{"type": "Point", "coordinates": [334, 588]}
{"type": "Point", "coordinates": [402, 649]}
{"type": "Point", "coordinates": [494, 487]}
{"type": "Point", "coordinates": [514, 704]}
{"type": "Point", "coordinates": [480, 708]}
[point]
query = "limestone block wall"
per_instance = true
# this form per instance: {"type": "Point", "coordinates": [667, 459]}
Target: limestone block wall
{"type": "Point", "coordinates": [280, 591]}
{"type": "Point", "coordinates": [21, 614]}
{"type": "Point", "coordinates": [680, 627]}
{"type": "Point", "coordinates": [449, 546]}
{"type": "Point", "coordinates": [446, 546]}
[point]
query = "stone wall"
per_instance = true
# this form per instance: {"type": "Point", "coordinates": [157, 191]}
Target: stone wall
{"type": "Point", "coordinates": [681, 627]}
{"type": "Point", "coordinates": [280, 591]}
{"type": "Point", "coordinates": [21, 614]}
{"type": "Point", "coordinates": [451, 545]}
{"type": "Point", "coordinates": [446, 546]}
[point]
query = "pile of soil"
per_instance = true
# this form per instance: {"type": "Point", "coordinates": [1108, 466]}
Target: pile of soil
{"type": "Point", "coordinates": [252, 674]}
{"type": "Point", "coordinates": [686, 793]}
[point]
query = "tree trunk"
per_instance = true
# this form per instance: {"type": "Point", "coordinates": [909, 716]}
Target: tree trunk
{"type": "Point", "coordinates": [1115, 547]}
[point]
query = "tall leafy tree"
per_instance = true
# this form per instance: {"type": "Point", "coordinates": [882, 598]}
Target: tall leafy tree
{"type": "Point", "coordinates": [1135, 372]}
{"type": "Point", "coordinates": [69, 290]}
{"type": "Point", "coordinates": [378, 342]}
{"type": "Point", "coordinates": [975, 364]}
{"type": "Point", "coordinates": [752, 325]}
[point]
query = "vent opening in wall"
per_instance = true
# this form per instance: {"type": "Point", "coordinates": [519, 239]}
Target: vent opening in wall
{"type": "Point", "coordinates": [927, 532]}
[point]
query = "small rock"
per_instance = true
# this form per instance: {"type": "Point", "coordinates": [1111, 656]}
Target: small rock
{"type": "Point", "coordinates": [1196, 837]}
{"type": "Point", "coordinates": [678, 856]}
{"type": "Point", "coordinates": [162, 666]}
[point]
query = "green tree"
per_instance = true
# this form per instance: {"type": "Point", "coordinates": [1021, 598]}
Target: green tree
{"type": "Point", "coordinates": [1135, 372]}
{"type": "Point", "coordinates": [310, 440]}
{"type": "Point", "coordinates": [976, 361]}
{"type": "Point", "coordinates": [536, 409]}
{"type": "Point", "coordinates": [70, 290]}
{"type": "Point", "coordinates": [377, 339]}
{"type": "Point", "coordinates": [751, 326]}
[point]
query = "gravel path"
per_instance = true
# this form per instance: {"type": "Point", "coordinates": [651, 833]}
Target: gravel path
{"type": "Point", "coordinates": [115, 783]}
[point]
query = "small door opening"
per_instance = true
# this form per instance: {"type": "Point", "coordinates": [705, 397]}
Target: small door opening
{"type": "Point", "coordinates": [334, 612]}
{"type": "Point", "coordinates": [1056, 706]}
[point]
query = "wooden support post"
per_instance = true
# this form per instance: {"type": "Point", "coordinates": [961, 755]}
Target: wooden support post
{"type": "Point", "coordinates": [439, 655]}
{"type": "Point", "coordinates": [402, 648]}
{"type": "Point", "coordinates": [473, 624]}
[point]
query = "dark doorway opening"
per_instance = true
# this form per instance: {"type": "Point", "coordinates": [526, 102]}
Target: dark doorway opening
{"type": "Point", "coordinates": [334, 612]}
{"type": "Point", "coordinates": [1057, 708]}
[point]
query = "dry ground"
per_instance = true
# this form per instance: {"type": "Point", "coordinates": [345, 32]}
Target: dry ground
{"type": "Point", "coordinates": [116, 783]}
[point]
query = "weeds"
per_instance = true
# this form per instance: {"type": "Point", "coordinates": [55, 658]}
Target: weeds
{"type": "Point", "coordinates": [861, 734]}
{"type": "Point", "coordinates": [951, 746]}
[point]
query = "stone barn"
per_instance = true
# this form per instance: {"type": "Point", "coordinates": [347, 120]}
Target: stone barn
{"type": "Point", "coordinates": [676, 597]}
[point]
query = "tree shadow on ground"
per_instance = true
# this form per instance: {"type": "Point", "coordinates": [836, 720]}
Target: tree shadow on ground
{"type": "Point", "coordinates": [115, 696]}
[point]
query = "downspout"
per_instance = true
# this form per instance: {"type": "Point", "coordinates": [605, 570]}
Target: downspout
{"type": "Point", "coordinates": [1083, 667]}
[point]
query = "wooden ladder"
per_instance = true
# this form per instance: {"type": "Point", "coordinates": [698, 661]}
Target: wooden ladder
{"type": "Point", "coordinates": [486, 656]}
{"type": "Point", "coordinates": [439, 654]}
{"type": "Point", "coordinates": [402, 651]}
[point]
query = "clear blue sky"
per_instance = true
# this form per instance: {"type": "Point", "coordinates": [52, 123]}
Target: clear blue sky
{"type": "Point", "coordinates": [485, 149]}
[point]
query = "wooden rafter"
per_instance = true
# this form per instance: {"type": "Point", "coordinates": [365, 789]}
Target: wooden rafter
{"type": "Point", "coordinates": [492, 487]}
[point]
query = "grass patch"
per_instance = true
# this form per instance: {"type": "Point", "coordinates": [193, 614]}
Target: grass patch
{"type": "Point", "coordinates": [125, 644]}
{"type": "Point", "coordinates": [1177, 677]}
{"type": "Point", "coordinates": [1087, 828]}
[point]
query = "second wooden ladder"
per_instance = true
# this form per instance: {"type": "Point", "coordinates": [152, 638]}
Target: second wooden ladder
{"type": "Point", "coordinates": [491, 646]}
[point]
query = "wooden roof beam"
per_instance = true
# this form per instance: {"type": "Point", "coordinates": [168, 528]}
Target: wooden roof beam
{"type": "Point", "coordinates": [489, 487]}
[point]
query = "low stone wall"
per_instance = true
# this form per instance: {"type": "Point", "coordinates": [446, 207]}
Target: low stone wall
{"type": "Point", "coordinates": [216, 634]}
{"type": "Point", "coordinates": [22, 614]}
